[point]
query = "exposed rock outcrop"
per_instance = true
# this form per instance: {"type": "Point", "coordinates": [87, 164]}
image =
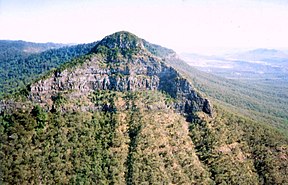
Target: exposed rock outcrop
{"type": "Point", "coordinates": [141, 70]}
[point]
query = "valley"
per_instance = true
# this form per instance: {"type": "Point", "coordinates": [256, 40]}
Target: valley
{"type": "Point", "coordinates": [256, 82]}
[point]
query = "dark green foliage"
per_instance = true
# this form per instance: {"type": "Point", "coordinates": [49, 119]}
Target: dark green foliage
{"type": "Point", "coordinates": [71, 148]}
{"type": "Point", "coordinates": [105, 100]}
{"type": "Point", "coordinates": [20, 49]}
{"type": "Point", "coordinates": [58, 99]}
{"type": "Point", "coordinates": [133, 131]}
{"type": "Point", "coordinates": [103, 147]}
{"type": "Point", "coordinates": [110, 137]}
{"type": "Point", "coordinates": [263, 102]}
{"type": "Point", "coordinates": [40, 115]}
{"type": "Point", "coordinates": [119, 44]}
{"type": "Point", "coordinates": [239, 151]}
{"type": "Point", "coordinates": [17, 69]}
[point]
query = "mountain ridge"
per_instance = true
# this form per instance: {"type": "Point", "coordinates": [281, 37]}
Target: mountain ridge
{"type": "Point", "coordinates": [18, 68]}
{"type": "Point", "coordinates": [28, 47]}
{"type": "Point", "coordinates": [117, 116]}
{"type": "Point", "coordinates": [141, 71]}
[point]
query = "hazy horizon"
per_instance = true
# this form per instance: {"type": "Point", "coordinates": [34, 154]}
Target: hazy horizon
{"type": "Point", "coordinates": [207, 27]}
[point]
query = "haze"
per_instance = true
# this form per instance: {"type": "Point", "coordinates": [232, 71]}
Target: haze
{"type": "Point", "coordinates": [209, 26]}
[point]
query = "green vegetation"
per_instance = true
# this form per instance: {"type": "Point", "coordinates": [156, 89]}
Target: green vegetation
{"type": "Point", "coordinates": [113, 137]}
{"type": "Point", "coordinates": [120, 44]}
{"type": "Point", "coordinates": [84, 147]}
{"type": "Point", "coordinates": [158, 50]}
{"type": "Point", "coordinates": [239, 151]}
{"type": "Point", "coordinates": [134, 138]}
{"type": "Point", "coordinates": [257, 101]}
{"type": "Point", "coordinates": [18, 68]}
{"type": "Point", "coordinates": [263, 101]}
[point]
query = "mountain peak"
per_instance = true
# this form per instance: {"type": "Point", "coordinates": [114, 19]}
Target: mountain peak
{"type": "Point", "coordinates": [120, 42]}
{"type": "Point", "coordinates": [122, 63]}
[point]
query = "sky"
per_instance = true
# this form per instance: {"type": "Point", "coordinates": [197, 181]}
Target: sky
{"type": "Point", "coordinates": [203, 26]}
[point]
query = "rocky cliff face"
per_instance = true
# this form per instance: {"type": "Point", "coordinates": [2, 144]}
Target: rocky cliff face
{"type": "Point", "coordinates": [112, 118]}
{"type": "Point", "coordinates": [120, 62]}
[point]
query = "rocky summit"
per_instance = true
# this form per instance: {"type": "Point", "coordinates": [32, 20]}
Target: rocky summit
{"type": "Point", "coordinates": [120, 62]}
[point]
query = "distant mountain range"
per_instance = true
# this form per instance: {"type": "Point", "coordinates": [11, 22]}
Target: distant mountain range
{"type": "Point", "coordinates": [254, 64]}
{"type": "Point", "coordinates": [26, 47]}
{"type": "Point", "coordinates": [22, 62]}
{"type": "Point", "coordinates": [262, 55]}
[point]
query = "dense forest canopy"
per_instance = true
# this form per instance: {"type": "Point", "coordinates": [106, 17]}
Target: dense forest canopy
{"type": "Point", "coordinates": [22, 62]}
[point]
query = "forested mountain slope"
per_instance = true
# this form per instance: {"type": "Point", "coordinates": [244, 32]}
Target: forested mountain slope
{"type": "Point", "coordinates": [257, 101]}
{"type": "Point", "coordinates": [9, 48]}
{"type": "Point", "coordinates": [22, 62]}
{"type": "Point", "coordinates": [123, 115]}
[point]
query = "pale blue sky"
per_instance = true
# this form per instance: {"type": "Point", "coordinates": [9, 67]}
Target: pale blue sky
{"type": "Point", "coordinates": [183, 25]}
